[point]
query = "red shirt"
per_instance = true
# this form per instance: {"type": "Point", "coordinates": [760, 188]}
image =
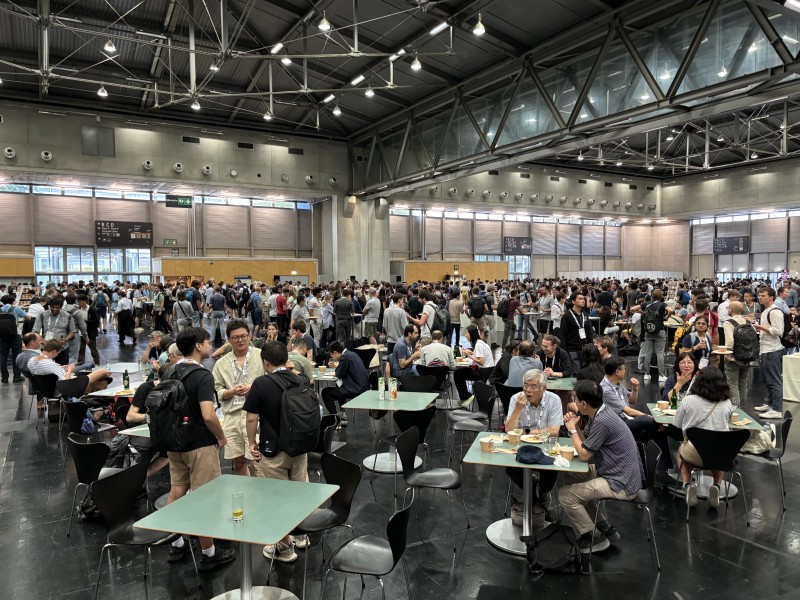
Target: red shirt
{"type": "Point", "coordinates": [280, 305]}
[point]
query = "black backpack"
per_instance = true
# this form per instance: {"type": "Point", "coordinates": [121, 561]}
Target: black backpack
{"type": "Point", "coordinates": [745, 343]}
{"type": "Point", "coordinates": [477, 307]}
{"type": "Point", "coordinates": [8, 324]}
{"type": "Point", "coordinates": [652, 323]}
{"type": "Point", "coordinates": [441, 320]}
{"type": "Point", "coordinates": [502, 308]}
{"type": "Point", "coordinates": [300, 417]}
{"type": "Point", "coordinates": [553, 549]}
{"type": "Point", "coordinates": [171, 428]}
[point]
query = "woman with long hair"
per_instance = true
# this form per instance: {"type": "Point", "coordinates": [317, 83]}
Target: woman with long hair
{"type": "Point", "coordinates": [591, 364]}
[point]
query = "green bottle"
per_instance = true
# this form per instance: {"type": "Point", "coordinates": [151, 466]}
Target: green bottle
{"type": "Point", "coordinates": [456, 351]}
{"type": "Point", "coordinates": [126, 380]}
{"type": "Point", "coordinates": [674, 400]}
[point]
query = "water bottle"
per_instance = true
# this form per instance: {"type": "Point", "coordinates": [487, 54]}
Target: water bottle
{"type": "Point", "coordinates": [381, 388]}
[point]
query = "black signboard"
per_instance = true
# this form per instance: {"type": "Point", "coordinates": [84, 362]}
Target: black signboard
{"type": "Point", "coordinates": [521, 246]}
{"type": "Point", "coordinates": [732, 245]}
{"type": "Point", "coordinates": [123, 234]}
{"type": "Point", "coordinates": [177, 201]}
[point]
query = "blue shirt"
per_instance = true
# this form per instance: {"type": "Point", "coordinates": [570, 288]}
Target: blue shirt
{"type": "Point", "coordinates": [401, 350]}
{"type": "Point", "coordinates": [517, 368]}
{"type": "Point", "coordinates": [10, 308]}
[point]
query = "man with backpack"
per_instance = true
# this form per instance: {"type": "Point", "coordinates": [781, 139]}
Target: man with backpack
{"type": "Point", "coordinates": [771, 352]}
{"type": "Point", "coordinates": [654, 314]}
{"type": "Point", "coordinates": [476, 309]}
{"type": "Point", "coordinates": [10, 340]}
{"type": "Point", "coordinates": [742, 338]}
{"type": "Point", "coordinates": [288, 412]}
{"type": "Point", "coordinates": [183, 420]}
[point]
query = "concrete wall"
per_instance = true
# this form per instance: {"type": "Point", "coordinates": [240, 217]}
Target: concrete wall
{"type": "Point", "coordinates": [656, 247]}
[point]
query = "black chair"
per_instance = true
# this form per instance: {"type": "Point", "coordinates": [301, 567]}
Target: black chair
{"type": "Point", "coordinates": [437, 479]}
{"type": "Point", "coordinates": [652, 453]}
{"type": "Point", "coordinates": [373, 555]}
{"type": "Point", "coordinates": [327, 428]}
{"type": "Point", "coordinates": [365, 355]}
{"type": "Point", "coordinates": [417, 383]}
{"type": "Point", "coordinates": [89, 458]}
{"type": "Point", "coordinates": [442, 375]}
{"type": "Point", "coordinates": [775, 455]}
{"type": "Point", "coordinates": [718, 451]}
{"type": "Point", "coordinates": [70, 388]}
{"type": "Point", "coordinates": [46, 386]}
{"type": "Point", "coordinates": [345, 474]}
{"type": "Point", "coordinates": [485, 399]}
{"type": "Point", "coordinates": [505, 393]}
{"type": "Point", "coordinates": [116, 498]}
{"type": "Point", "coordinates": [405, 420]}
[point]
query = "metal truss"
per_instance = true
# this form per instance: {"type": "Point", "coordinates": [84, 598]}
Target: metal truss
{"type": "Point", "coordinates": [655, 91]}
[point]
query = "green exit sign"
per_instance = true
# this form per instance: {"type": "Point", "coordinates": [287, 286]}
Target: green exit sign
{"type": "Point", "coordinates": [170, 242]}
{"type": "Point", "coordinates": [176, 201]}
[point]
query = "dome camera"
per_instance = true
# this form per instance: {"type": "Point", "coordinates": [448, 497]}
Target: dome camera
{"type": "Point", "coordinates": [178, 167]}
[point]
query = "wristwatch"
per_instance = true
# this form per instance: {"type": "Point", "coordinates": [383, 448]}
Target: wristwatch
{"type": "Point", "coordinates": [572, 431]}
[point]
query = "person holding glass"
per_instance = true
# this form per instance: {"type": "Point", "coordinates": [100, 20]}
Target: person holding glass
{"type": "Point", "coordinates": [684, 371]}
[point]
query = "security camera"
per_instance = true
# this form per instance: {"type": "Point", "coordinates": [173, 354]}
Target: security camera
{"type": "Point", "coordinates": [178, 167]}
{"type": "Point", "coordinates": [452, 191]}
{"type": "Point", "coordinates": [486, 193]}
{"type": "Point", "coordinates": [534, 197]}
{"type": "Point", "coordinates": [549, 199]}
{"type": "Point", "coordinates": [469, 193]}
{"type": "Point", "coordinates": [577, 201]}
{"type": "Point", "coordinates": [503, 195]}
{"type": "Point", "coordinates": [332, 180]}
{"type": "Point", "coordinates": [147, 165]}
{"type": "Point", "coordinates": [519, 196]}
{"type": "Point", "coordinates": [590, 202]}
{"type": "Point", "coordinates": [603, 203]}
{"type": "Point", "coordinates": [563, 200]}
{"type": "Point", "coordinates": [47, 156]}
{"type": "Point", "coordinates": [206, 169]}
{"type": "Point", "coordinates": [234, 172]}
{"type": "Point", "coordinates": [434, 189]}
{"type": "Point", "coordinates": [310, 179]}
{"type": "Point", "coordinates": [9, 152]}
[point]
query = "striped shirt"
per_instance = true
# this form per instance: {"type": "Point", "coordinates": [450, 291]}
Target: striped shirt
{"type": "Point", "coordinates": [615, 455]}
{"type": "Point", "coordinates": [46, 366]}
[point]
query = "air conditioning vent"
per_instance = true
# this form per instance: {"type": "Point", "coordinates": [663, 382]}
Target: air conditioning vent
{"type": "Point", "coordinates": [650, 188]}
{"type": "Point", "coordinates": [494, 172]}
{"type": "Point", "coordinates": [188, 139]}
{"type": "Point", "coordinates": [554, 178]}
{"type": "Point", "coordinates": [244, 146]}
{"type": "Point", "coordinates": [633, 187]}
{"type": "Point", "coordinates": [608, 184]}
{"type": "Point", "coordinates": [581, 181]}
{"type": "Point", "coordinates": [525, 175]}
{"type": "Point", "coordinates": [297, 151]}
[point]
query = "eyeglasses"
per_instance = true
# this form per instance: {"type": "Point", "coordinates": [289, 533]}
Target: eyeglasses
{"type": "Point", "coordinates": [531, 386]}
{"type": "Point", "coordinates": [239, 338]}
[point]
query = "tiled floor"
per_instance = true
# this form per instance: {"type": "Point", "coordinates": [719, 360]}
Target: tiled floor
{"type": "Point", "coordinates": [715, 556]}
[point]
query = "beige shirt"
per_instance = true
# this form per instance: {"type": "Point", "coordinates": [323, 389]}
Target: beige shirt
{"type": "Point", "coordinates": [228, 373]}
{"type": "Point", "coordinates": [728, 327]}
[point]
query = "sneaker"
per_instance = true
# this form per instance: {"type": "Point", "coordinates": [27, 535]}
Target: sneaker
{"type": "Point", "coordinates": [176, 554]}
{"type": "Point", "coordinates": [662, 379]}
{"type": "Point", "coordinates": [468, 402]}
{"type": "Point", "coordinates": [285, 552]}
{"type": "Point", "coordinates": [221, 557]}
{"type": "Point", "coordinates": [691, 494]}
{"type": "Point", "coordinates": [18, 379]}
{"type": "Point", "coordinates": [771, 414]}
{"type": "Point", "coordinates": [612, 535]}
{"type": "Point", "coordinates": [713, 496]}
{"type": "Point", "coordinates": [343, 421]}
{"type": "Point", "coordinates": [762, 408]}
{"type": "Point", "coordinates": [5, 380]}
{"type": "Point", "coordinates": [585, 545]}
{"type": "Point", "coordinates": [300, 541]}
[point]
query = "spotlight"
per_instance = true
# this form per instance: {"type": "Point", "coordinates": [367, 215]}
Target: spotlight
{"type": "Point", "coordinates": [479, 29]}
{"type": "Point", "coordinates": [416, 65]}
{"type": "Point", "coordinates": [337, 111]}
{"type": "Point", "coordinates": [723, 72]}
{"type": "Point", "coordinates": [369, 92]}
{"type": "Point", "coordinates": [286, 61]}
{"type": "Point", "coordinates": [102, 91]}
{"type": "Point", "coordinates": [268, 116]}
{"type": "Point", "coordinates": [195, 105]}
{"type": "Point", "coordinates": [110, 47]}
{"type": "Point", "coordinates": [324, 24]}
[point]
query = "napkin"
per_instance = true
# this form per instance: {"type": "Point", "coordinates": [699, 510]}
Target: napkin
{"type": "Point", "coordinates": [560, 461]}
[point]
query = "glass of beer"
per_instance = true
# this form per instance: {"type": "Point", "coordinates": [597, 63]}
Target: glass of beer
{"type": "Point", "coordinates": [238, 506]}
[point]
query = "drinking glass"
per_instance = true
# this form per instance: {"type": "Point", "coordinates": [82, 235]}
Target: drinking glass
{"type": "Point", "coordinates": [237, 499]}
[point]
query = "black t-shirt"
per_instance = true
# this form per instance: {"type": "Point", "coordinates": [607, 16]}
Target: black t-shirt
{"type": "Point", "coordinates": [141, 395]}
{"type": "Point", "coordinates": [199, 387]}
{"type": "Point", "coordinates": [477, 306]}
{"type": "Point", "coordinates": [264, 399]}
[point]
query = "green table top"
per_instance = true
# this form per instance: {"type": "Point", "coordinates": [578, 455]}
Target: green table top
{"type": "Point", "coordinates": [329, 375]}
{"type": "Point", "coordinates": [117, 391]}
{"type": "Point", "coordinates": [561, 384]}
{"type": "Point", "coordinates": [500, 459]}
{"type": "Point", "coordinates": [142, 430]}
{"type": "Point", "coordinates": [405, 401]}
{"type": "Point", "coordinates": [669, 419]}
{"type": "Point", "coordinates": [272, 508]}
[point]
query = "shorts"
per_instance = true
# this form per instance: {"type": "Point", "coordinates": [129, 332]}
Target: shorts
{"type": "Point", "coordinates": [283, 466]}
{"type": "Point", "coordinates": [235, 429]}
{"type": "Point", "coordinates": [256, 316]}
{"type": "Point", "coordinates": [102, 311]}
{"type": "Point", "coordinates": [689, 454]}
{"type": "Point", "coordinates": [194, 468]}
{"type": "Point", "coordinates": [138, 312]}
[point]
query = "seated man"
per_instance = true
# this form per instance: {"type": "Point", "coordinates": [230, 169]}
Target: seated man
{"type": "Point", "coordinates": [534, 408]}
{"type": "Point", "coordinates": [31, 346]}
{"type": "Point", "coordinates": [45, 364]}
{"type": "Point", "coordinates": [616, 473]}
{"type": "Point", "coordinates": [298, 332]}
{"type": "Point", "coordinates": [524, 361]}
{"type": "Point", "coordinates": [405, 352]}
{"type": "Point", "coordinates": [604, 346]}
{"type": "Point", "coordinates": [136, 415]}
{"type": "Point", "coordinates": [353, 379]}
{"type": "Point", "coordinates": [300, 363]}
{"type": "Point", "coordinates": [437, 353]}
{"type": "Point", "coordinates": [555, 360]}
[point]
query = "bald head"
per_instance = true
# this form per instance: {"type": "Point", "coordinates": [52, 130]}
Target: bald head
{"type": "Point", "coordinates": [735, 308]}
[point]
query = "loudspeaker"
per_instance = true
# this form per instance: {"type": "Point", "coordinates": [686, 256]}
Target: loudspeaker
{"type": "Point", "coordinates": [398, 278]}
{"type": "Point", "coordinates": [447, 277]}
{"type": "Point", "coordinates": [276, 278]}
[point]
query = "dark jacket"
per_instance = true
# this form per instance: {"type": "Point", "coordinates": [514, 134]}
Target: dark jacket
{"type": "Point", "coordinates": [354, 375]}
{"type": "Point", "coordinates": [561, 362]}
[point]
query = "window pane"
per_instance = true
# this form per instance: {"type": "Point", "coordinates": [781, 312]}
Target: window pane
{"type": "Point", "coordinates": [137, 261]}
{"type": "Point", "coordinates": [87, 260]}
{"type": "Point", "coordinates": [73, 260]}
{"type": "Point", "coordinates": [49, 259]}
{"type": "Point", "coordinates": [109, 278]}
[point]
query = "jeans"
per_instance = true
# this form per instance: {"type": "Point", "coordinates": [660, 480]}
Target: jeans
{"type": "Point", "coordinates": [655, 342]}
{"type": "Point", "coordinates": [196, 318]}
{"type": "Point", "coordinates": [12, 344]}
{"type": "Point", "coordinates": [508, 334]}
{"type": "Point", "coordinates": [521, 327]}
{"type": "Point", "coordinates": [218, 322]}
{"type": "Point", "coordinates": [737, 376]}
{"type": "Point", "coordinates": [772, 375]}
{"type": "Point", "coordinates": [577, 496]}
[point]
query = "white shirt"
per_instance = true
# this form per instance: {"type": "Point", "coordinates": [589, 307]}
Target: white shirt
{"type": "Point", "coordinates": [124, 304]}
{"type": "Point", "coordinates": [771, 341]}
{"type": "Point", "coordinates": [35, 309]}
{"type": "Point", "coordinates": [722, 312]}
{"type": "Point", "coordinates": [482, 350]}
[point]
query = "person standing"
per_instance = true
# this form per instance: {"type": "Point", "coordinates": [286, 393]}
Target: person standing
{"type": "Point", "coordinates": [508, 319]}
{"type": "Point", "coordinates": [372, 311]}
{"type": "Point", "coordinates": [576, 329]}
{"type": "Point", "coordinates": [395, 320]}
{"type": "Point", "coordinates": [654, 314]}
{"type": "Point", "coordinates": [476, 309]}
{"type": "Point", "coordinates": [281, 313]}
{"type": "Point", "coordinates": [217, 303]}
{"type": "Point", "coordinates": [92, 322]}
{"type": "Point", "coordinates": [56, 324]}
{"type": "Point", "coordinates": [455, 307]}
{"type": "Point", "coordinates": [737, 372]}
{"type": "Point", "coordinates": [771, 354]}
{"type": "Point", "coordinates": [343, 310]}
{"type": "Point", "coordinates": [124, 314]}
{"type": "Point", "coordinates": [10, 340]}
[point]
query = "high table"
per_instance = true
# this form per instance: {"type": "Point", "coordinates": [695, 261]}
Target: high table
{"type": "Point", "coordinates": [704, 482]}
{"type": "Point", "coordinates": [206, 512]}
{"type": "Point", "coordinates": [116, 391]}
{"type": "Point", "coordinates": [502, 534]}
{"type": "Point", "coordinates": [386, 462]}
{"type": "Point", "coordinates": [791, 377]}
{"type": "Point", "coordinates": [526, 317]}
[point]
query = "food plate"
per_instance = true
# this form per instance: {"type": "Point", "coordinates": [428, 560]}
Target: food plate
{"type": "Point", "coordinates": [667, 412]}
{"type": "Point", "coordinates": [719, 351]}
{"type": "Point", "coordinates": [531, 439]}
{"type": "Point", "coordinates": [741, 423]}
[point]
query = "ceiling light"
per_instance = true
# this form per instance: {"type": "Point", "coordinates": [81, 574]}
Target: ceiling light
{"type": "Point", "coordinates": [110, 47]}
{"type": "Point", "coordinates": [665, 75]}
{"type": "Point", "coordinates": [580, 156]}
{"type": "Point", "coordinates": [286, 61]}
{"type": "Point", "coordinates": [650, 167]}
{"type": "Point", "coordinates": [336, 110]}
{"type": "Point", "coordinates": [670, 137]}
{"type": "Point", "coordinates": [324, 24]}
{"type": "Point", "coordinates": [276, 48]}
{"type": "Point", "coordinates": [357, 80]}
{"type": "Point", "coordinates": [720, 139]}
{"type": "Point", "coordinates": [1, 80]}
{"type": "Point", "coordinates": [369, 92]}
{"type": "Point", "coordinates": [214, 67]}
{"type": "Point", "coordinates": [268, 116]}
{"type": "Point", "coordinates": [479, 29]}
{"type": "Point", "coordinates": [195, 105]}
{"type": "Point", "coordinates": [328, 98]}
{"type": "Point", "coordinates": [416, 65]}
{"type": "Point", "coordinates": [102, 91]}
{"type": "Point", "coordinates": [584, 115]}
{"type": "Point", "coordinates": [439, 28]}
{"type": "Point", "coordinates": [783, 125]}
{"type": "Point", "coordinates": [754, 154]}
{"type": "Point", "coordinates": [753, 47]}
{"type": "Point", "coordinates": [645, 96]}
{"type": "Point", "coordinates": [618, 163]}
{"type": "Point", "coordinates": [723, 72]}
{"type": "Point", "coordinates": [393, 57]}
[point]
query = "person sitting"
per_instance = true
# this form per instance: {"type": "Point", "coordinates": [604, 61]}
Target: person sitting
{"type": "Point", "coordinates": [437, 353]}
{"type": "Point", "coordinates": [616, 473]}
{"type": "Point", "coordinates": [482, 356]}
{"type": "Point", "coordinates": [404, 353]}
{"type": "Point", "coordinates": [683, 374]}
{"type": "Point", "coordinates": [353, 375]}
{"type": "Point", "coordinates": [45, 364]}
{"type": "Point", "coordinates": [299, 359]}
{"type": "Point", "coordinates": [591, 364]}
{"type": "Point", "coordinates": [604, 346]}
{"type": "Point", "coordinates": [500, 371]}
{"type": "Point", "coordinates": [299, 330]}
{"type": "Point", "coordinates": [136, 415]}
{"type": "Point", "coordinates": [31, 346]}
{"type": "Point", "coordinates": [534, 408]}
{"type": "Point", "coordinates": [706, 407]}
{"type": "Point", "coordinates": [555, 360]}
{"type": "Point", "coordinates": [521, 364]}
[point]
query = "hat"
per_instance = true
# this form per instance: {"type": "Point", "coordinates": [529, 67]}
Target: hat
{"type": "Point", "coordinates": [533, 455]}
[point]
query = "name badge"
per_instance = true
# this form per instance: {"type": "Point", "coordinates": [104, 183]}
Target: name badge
{"type": "Point", "coordinates": [49, 335]}
{"type": "Point", "coordinates": [582, 333]}
{"type": "Point", "coordinates": [238, 400]}
{"type": "Point", "coordinates": [703, 363]}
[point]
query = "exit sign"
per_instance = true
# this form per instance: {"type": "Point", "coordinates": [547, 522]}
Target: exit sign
{"type": "Point", "coordinates": [176, 201]}
{"type": "Point", "coordinates": [170, 242]}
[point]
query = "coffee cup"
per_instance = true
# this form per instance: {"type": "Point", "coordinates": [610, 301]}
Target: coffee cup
{"type": "Point", "coordinates": [513, 438]}
{"type": "Point", "coordinates": [322, 369]}
{"type": "Point", "coordinates": [567, 452]}
{"type": "Point", "coordinates": [487, 445]}
{"type": "Point", "coordinates": [662, 404]}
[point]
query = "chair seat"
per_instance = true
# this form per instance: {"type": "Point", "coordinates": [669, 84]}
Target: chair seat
{"type": "Point", "coordinates": [319, 520]}
{"type": "Point", "coordinates": [470, 425]}
{"type": "Point", "coordinates": [460, 414]}
{"type": "Point", "coordinates": [443, 479]}
{"type": "Point", "coordinates": [108, 471]}
{"type": "Point", "coordinates": [367, 555]}
{"type": "Point", "coordinates": [133, 536]}
{"type": "Point", "coordinates": [336, 446]}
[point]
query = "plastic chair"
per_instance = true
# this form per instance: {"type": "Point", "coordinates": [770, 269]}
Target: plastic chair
{"type": "Point", "coordinates": [327, 428]}
{"type": "Point", "coordinates": [437, 479]}
{"type": "Point", "coordinates": [373, 555]}
{"type": "Point", "coordinates": [485, 399]}
{"type": "Point", "coordinates": [46, 385]}
{"type": "Point", "coordinates": [417, 383]}
{"type": "Point", "coordinates": [652, 454]}
{"type": "Point", "coordinates": [775, 455]}
{"type": "Point", "coordinates": [442, 375]}
{"type": "Point", "coordinates": [89, 458]}
{"type": "Point", "coordinates": [718, 451]}
{"type": "Point", "coordinates": [405, 420]}
{"type": "Point", "coordinates": [505, 393]}
{"type": "Point", "coordinates": [365, 355]}
{"type": "Point", "coordinates": [116, 497]}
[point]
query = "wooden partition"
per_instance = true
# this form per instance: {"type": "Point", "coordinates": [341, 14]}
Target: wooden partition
{"type": "Point", "coordinates": [227, 269]}
{"type": "Point", "coordinates": [16, 267]}
{"type": "Point", "coordinates": [427, 270]}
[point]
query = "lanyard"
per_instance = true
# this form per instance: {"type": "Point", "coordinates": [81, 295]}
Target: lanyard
{"type": "Point", "coordinates": [580, 325]}
{"type": "Point", "coordinates": [537, 413]}
{"type": "Point", "coordinates": [50, 321]}
{"type": "Point", "coordinates": [235, 364]}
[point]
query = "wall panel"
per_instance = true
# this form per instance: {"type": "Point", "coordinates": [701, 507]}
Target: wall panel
{"type": "Point", "coordinates": [63, 221]}
{"type": "Point", "coordinates": [569, 240]}
{"type": "Point", "coordinates": [398, 233]}
{"type": "Point", "coordinates": [14, 227]}
{"type": "Point", "coordinates": [544, 238]}
{"type": "Point", "coordinates": [229, 227]}
{"type": "Point", "coordinates": [488, 237]}
{"type": "Point", "coordinates": [433, 235]}
{"type": "Point", "coordinates": [273, 229]}
{"type": "Point", "coordinates": [768, 235]}
{"type": "Point", "coordinates": [122, 210]}
{"type": "Point", "coordinates": [457, 236]}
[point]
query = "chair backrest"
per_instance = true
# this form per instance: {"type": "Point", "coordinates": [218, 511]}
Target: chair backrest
{"type": "Point", "coordinates": [76, 411]}
{"type": "Point", "coordinates": [505, 393]}
{"type": "Point", "coordinates": [373, 380]}
{"type": "Point", "coordinates": [365, 355]}
{"type": "Point", "coordinates": [326, 422]}
{"type": "Point", "coordinates": [45, 384]}
{"type": "Point", "coordinates": [407, 443]}
{"type": "Point", "coordinates": [72, 388]}
{"type": "Point", "coordinates": [345, 474]}
{"type": "Point", "coordinates": [417, 383]}
{"type": "Point", "coordinates": [397, 532]}
{"type": "Point", "coordinates": [89, 458]}
{"type": "Point", "coordinates": [322, 358]}
{"type": "Point", "coordinates": [116, 495]}
{"type": "Point", "coordinates": [421, 419]}
{"type": "Point", "coordinates": [718, 449]}
{"type": "Point", "coordinates": [441, 373]}
{"type": "Point", "coordinates": [652, 454]}
{"type": "Point", "coordinates": [783, 434]}
{"type": "Point", "coordinates": [484, 396]}
{"type": "Point", "coordinates": [484, 373]}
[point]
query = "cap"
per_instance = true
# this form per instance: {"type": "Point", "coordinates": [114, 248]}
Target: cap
{"type": "Point", "coordinates": [533, 455]}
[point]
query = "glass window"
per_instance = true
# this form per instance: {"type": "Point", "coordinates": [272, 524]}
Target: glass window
{"type": "Point", "coordinates": [109, 260]}
{"type": "Point", "coordinates": [214, 200]}
{"type": "Point", "coordinates": [109, 278]}
{"type": "Point", "coordinates": [84, 192]}
{"type": "Point", "coordinates": [137, 195]}
{"type": "Point", "coordinates": [107, 194]}
{"type": "Point", "coordinates": [15, 187]}
{"type": "Point", "coordinates": [49, 259]}
{"type": "Point", "coordinates": [137, 260]}
{"type": "Point", "coordinates": [302, 205]}
{"type": "Point", "coordinates": [51, 191]}
{"type": "Point", "coordinates": [80, 260]}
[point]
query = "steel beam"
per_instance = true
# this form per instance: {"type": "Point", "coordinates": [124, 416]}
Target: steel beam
{"type": "Point", "coordinates": [694, 46]}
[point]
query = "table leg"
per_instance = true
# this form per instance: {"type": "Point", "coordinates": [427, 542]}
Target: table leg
{"type": "Point", "coordinates": [503, 534]}
{"type": "Point", "coordinates": [527, 503]}
{"type": "Point", "coordinates": [246, 590]}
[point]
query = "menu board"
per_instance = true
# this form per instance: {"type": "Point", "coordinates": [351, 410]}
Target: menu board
{"type": "Point", "coordinates": [521, 246]}
{"type": "Point", "coordinates": [123, 234]}
{"type": "Point", "coordinates": [732, 245]}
